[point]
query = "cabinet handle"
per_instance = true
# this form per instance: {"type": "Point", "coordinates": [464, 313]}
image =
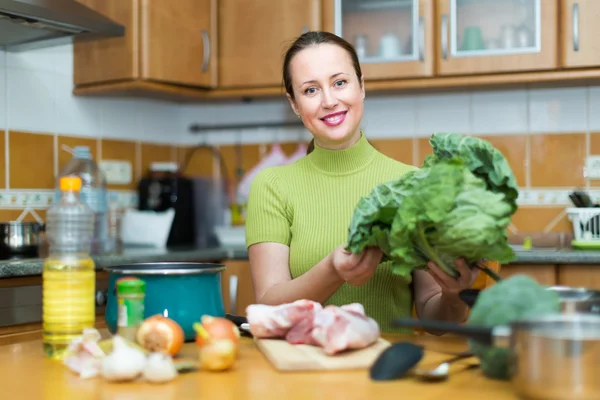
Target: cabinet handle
{"type": "Point", "coordinates": [444, 36]}
{"type": "Point", "coordinates": [101, 297]}
{"type": "Point", "coordinates": [304, 29]}
{"type": "Point", "coordinates": [576, 26]}
{"type": "Point", "coordinates": [233, 285]}
{"type": "Point", "coordinates": [206, 47]}
{"type": "Point", "coordinates": [421, 39]}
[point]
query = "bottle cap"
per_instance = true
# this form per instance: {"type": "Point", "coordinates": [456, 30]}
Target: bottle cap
{"type": "Point", "coordinates": [130, 285]}
{"type": "Point", "coordinates": [70, 183]}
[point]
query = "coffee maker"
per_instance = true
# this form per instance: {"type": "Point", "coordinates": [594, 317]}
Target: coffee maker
{"type": "Point", "coordinates": [200, 204]}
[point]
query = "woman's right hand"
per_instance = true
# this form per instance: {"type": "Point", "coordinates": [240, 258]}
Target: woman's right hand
{"type": "Point", "coordinates": [356, 269]}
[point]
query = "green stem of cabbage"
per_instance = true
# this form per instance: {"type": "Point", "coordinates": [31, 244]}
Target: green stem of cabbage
{"type": "Point", "coordinates": [429, 252]}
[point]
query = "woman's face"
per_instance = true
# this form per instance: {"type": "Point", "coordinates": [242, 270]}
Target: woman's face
{"type": "Point", "coordinates": [328, 95]}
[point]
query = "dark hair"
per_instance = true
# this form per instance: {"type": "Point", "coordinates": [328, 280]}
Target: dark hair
{"type": "Point", "coordinates": [309, 39]}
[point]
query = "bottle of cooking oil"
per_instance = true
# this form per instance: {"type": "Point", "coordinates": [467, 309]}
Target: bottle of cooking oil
{"type": "Point", "coordinates": [69, 273]}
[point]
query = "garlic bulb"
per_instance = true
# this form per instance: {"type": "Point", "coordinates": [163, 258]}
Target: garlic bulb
{"type": "Point", "coordinates": [124, 363]}
{"type": "Point", "coordinates": [159, 368]}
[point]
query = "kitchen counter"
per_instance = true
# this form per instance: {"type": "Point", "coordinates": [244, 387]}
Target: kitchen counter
{"type": "Point", "coordinates": [28, 267]}
{"type": "Point", "coordinates": [24, 370]}
{"type": "Point", "coordinates": [33, 266]}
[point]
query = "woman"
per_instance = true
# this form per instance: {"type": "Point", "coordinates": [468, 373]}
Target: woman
{"type": "Point", "coordinates": [298, 215]}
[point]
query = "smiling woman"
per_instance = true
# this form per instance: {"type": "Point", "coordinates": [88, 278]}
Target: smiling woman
{"type": "Point", "coordinates": [298, 215]}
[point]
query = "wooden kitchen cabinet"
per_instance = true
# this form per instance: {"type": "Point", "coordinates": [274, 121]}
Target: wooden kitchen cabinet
{"type": "Point", "coordinates": [587, 276]}
{"type": "Point", "coordinates": [167, 42]}
{"type": "Point", "coordinates": [579, 30]}
{"type": "Point", "coordinates": [496, 36]}
{"type": "Point", "coordinates": [392, 39]}
{"type": "Point", "coordinates": [545, 274]}
{"type": "Point", "coordinates": [238, 291]}
{"type": "Point", "coordinates": [254, 35]}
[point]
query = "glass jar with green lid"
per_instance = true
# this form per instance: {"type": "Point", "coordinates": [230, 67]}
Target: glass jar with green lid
{"type": "Point", "coordinates": [130, 299]}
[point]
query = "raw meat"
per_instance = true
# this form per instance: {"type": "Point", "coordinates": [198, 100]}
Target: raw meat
{"type": "Point", "coordinates": [347, 327]}
{"type": "Point", "coordinates": [275, 321]}
{"type": "Point", "coordinates": [301, 333]}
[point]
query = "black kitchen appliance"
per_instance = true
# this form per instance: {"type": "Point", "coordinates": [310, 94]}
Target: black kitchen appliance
{"type": "Point", "coordinates": [163, 189]}
{"type": "Point", "coordinates": [200, 202]}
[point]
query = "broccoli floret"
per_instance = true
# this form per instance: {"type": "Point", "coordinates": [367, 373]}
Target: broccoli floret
{"type": "Point", "coordinates": [513, 298]}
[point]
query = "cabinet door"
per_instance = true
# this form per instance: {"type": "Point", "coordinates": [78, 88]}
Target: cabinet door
{"type": "Point", "coordinates": [110, 59]}
{"type": "Point", "coordinates": [579, 33]}
{"type": "Point", "coordinates": [254, 35]}
{"type": "Point", "coordinates": [178, 41]}
{"type": "Point", "coordinates": [488, 36]}
{"type": "Point", "coordinates": [238, 291]}
{"type": "Point", "coordinates": [393, 39]}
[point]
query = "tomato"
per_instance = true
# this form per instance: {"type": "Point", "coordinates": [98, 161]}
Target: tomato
{"type": "Point", "coordinates": [162, 334]}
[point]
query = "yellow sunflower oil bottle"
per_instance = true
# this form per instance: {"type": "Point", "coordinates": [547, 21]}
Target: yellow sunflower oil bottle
{"type": "Point", "coordinates": [68, 275]}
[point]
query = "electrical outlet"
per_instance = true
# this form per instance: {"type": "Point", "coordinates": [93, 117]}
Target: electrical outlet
{"type": "Point", "coordinates": [592, 167]}
{"type": "Point", "coordinates": [116, 172]}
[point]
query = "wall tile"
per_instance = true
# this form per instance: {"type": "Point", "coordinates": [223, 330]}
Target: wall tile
{"type": "Point", "coordinates": [81, 116]}
{"type": "Point", "coordinates": [2, 159]}
{"type": "Point", "coordinates": [3, 93]}
{"type": "Point", "coordinates": [423, 148]}
{"type": "Point", "coordinates": [557, 160]}
{"type": "Point", "coordinates": [31, 160]}
{"type": "Point", "coordinates": [31, 99]}
{"type": "Point", "coordinates": [198, 164]}
{"type": "Point", "coordinates": [155, 153]}
{"type": "Point", "coordinates": [398, 149]}
{"type": "Point", "coordinates": [125, 151]}
{"type": "Point", "coordinates": [540, 219]}
{"type": "Point", "coordinates": [499, 111]}
{"type": "Point", "coordinates": [389, 116]}
{"type": "Point", "coordinates": [443, 112]}
{"type": "Point", "coordinates": [558, 110]}
{"type": "Point", "coordinates": [594, 108]}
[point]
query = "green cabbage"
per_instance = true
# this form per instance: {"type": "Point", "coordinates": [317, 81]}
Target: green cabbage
{"type": "Point", "coordinates": [458, 204]}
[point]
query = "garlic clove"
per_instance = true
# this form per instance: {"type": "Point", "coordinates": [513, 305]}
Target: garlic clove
{"type": "Point", "coordinates": [159, 368]}
{"type": "Point", "coordinates": [124, 363]}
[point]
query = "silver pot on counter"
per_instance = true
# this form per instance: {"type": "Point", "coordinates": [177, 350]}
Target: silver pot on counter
{"type": "Point", "coordinates": [577, 300]}
{"type": "Point", "coordinates": [550, 357]}
{"type": "Point", "coordinates": [20, 239]}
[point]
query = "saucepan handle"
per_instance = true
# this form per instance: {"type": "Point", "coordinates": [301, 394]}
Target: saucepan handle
{"type": "Point", "coordinates": [489, 336]}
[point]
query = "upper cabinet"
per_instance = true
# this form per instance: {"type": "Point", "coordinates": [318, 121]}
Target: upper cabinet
{"type": "Point", "coordinates": [393, 39]}
{"type": "Point", "coordinates": [254, 35]}
{"type": "Point", "coordinates": [579, 30]}
{"type": "Point", "coordinates": [234, 48]}
{"type": "Point", "coordinates": [172, 42]}
{"type": "Point", "coordinates": [491, 36]}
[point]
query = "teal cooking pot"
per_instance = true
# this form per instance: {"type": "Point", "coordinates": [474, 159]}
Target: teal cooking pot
{"type": "Point", "coordinates": [182, 291]}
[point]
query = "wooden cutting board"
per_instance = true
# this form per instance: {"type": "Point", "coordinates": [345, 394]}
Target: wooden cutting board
{"type": "Point", "coordinates": [293, 357]}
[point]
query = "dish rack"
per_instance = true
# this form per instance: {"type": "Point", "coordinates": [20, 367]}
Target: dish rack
{"type": "Point", "coordinates": [586, 226]}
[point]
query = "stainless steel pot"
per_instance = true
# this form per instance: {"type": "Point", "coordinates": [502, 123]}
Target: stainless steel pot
{"type": "Point", "coordinates": [19, 239]}
{"type": "Point", "coordinates": [577, 300]}
{"type": "Point", "coordinates": [551, 357]}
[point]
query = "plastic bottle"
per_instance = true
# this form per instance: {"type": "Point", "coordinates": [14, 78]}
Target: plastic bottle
{"type": "Point", "coordinates": [93, 193]}
{"type": "Point", "coordinates": [130, 300]}
{"type": "Point", "coordinates": [68, 275]}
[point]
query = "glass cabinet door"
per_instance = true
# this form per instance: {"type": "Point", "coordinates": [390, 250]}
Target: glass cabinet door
{"type": "Point", "coordinates": [478, 29]}
{"type": "Point", "coordinates": [380, 30]}
{"type": "Point", "coordinates": [384, 33]}
{"type": "Point", "coordinates": [492, 27]}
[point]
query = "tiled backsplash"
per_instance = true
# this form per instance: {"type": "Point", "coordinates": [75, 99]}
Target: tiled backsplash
{"type": "Point", "coordinates": [544, 133]}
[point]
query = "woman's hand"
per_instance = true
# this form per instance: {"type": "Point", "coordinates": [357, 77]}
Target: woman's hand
{"type": "Point", "coordinates": [356, 269]}
{"type": "Point", "coordinates": [454, 285]}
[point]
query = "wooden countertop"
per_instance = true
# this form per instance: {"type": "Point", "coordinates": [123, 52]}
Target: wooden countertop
{"type": "Point", "coordinates": [26, 373]}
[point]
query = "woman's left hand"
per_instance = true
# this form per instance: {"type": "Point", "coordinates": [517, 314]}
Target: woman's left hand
{"type": "Point", "coordinates": [454, 285]}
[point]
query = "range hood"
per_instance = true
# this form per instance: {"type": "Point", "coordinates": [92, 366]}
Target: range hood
{"type": "Point", "coordinates": [27, 24]}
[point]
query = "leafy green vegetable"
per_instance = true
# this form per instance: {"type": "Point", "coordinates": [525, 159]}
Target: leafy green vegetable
{"type": "Point", "coordinates": [484, 160]}
{"type": "Point", "coordinates": [458, 204]}
{"type": "Point", "coordinates": [511, 299]}
{"type": "Point", "coordinates": [449, 215]}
